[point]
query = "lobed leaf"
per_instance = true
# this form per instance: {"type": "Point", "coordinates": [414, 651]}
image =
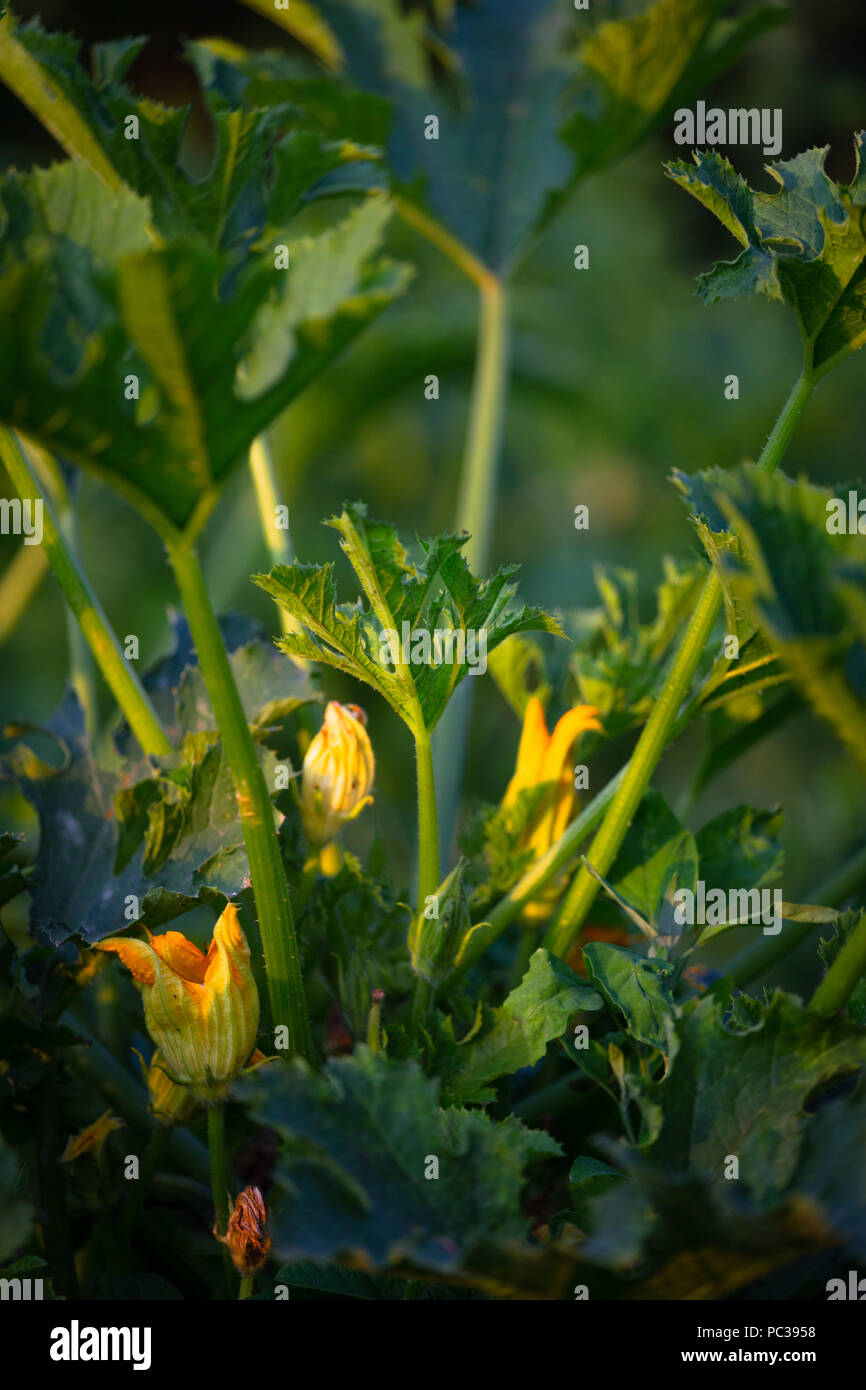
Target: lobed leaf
{"type": "Point", "coordinates": [804, 244]}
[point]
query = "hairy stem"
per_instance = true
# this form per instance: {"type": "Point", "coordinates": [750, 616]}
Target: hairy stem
{"type": "Point", "coordinates": [276, 923]}
{"type": "Point", "coordinates": [657, 730]}
{"type": "Point", "coordinates": [428, 858]}
{"type": "Point", "coordinates": [428, 823]}
{"type": "Point", "coordinates": [118, 675]}
{"type": "Point", "coordinates": [475, 513]}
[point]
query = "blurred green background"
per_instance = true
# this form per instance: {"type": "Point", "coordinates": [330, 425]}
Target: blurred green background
{"type": "Point", "coordinates": [617, 377]}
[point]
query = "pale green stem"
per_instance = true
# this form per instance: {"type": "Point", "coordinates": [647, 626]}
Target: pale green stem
{"type": "Point", "coordinates": [657, 730]}
{"type": "Point", "coordinates": [116, 671]}
{"type": "Point", "coordinates": [216, 1142]}
{"type": "Point", "coordinates": [475, 513]}
{"type": "Point", "coordinates": [276, 923]}
{"type": "Point", "coordinates": [428, 858]}
{"type": "Point", "coordinates": [428, 825]}
{"type": "Point", "coordinates": [277, 538]}
{"type": "Point", "coordinates": [21, 578]}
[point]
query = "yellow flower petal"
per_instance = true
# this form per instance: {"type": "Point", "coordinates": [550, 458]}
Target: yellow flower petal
{"type": "Point", "coordinates": [92, 1139]}
{"type": "Point", "coordinates": [534, 741]}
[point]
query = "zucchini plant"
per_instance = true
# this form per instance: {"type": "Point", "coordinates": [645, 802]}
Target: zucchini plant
{"type": "Point", "coordinates": [520, 1065]}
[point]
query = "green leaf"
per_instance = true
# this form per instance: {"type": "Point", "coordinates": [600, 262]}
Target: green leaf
{"type": "Point", "coordinates": [804, 244]}
{"type": "Point", "coordinates": [535, 1013]}
{"type": "Point", "coordinates": [74, 889]}
{"type": "Point", "coordinates": [266, 163]}
{"type": "Point", "coordinates": [354, 1146]}
{"type": "Point", "coordinates": [749, 1093]}
{"type": "Point", "coordinates": [630, 67]}
{"type": "Point", "coordinates": [588, 1180]}
{"type": "Point", "coordinates": [618, 661]}
{"type": "Point", "coordinates": [164, 832]}
{"type": "Point", "coordinates": [689, 1238]}
{"type": "Point", "coordinates": [830, 1171]}
{"type": "Point", "coordinates": [130, 267]}
{"type": "Point", "coordinates": [305, 26]}
{"type": "Point", "coordinates": [336, 1282]}
{"type": "Point", "coordinates": [76, 330]}
{"type": "Point", "coordinates": [636, 988]}
{"type": "Point", "coordinates": [800, 583]}
{"type": "Point", "coordinates": [528, 101]}
{"type": "Point", "coordinates": [408, 603]}
{"type": "Point", "coordinates": [741, 848]}
{"type": "Point", "coordinates": [519, 669]}
{"type": "Point", "coordinates": [657, 856]}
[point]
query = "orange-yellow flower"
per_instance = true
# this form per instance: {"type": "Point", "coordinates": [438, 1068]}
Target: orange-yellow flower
{"type": "Point", "coordinates": [545, 759]}
{"type": "Point", "coordinates": [92, 1139]}
{"type": "Point", "coordinates": [338, 773]}
{"type": "Point", "coordinates": [202, 1011]}
{"type": "Point", "coordinates": [247, 1238]}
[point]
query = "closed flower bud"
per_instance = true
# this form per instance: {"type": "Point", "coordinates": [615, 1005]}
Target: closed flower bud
{"type": "Point", "coordinates": [202, 1011]}
{"type": "Point", "coordinates": [338, 773]}
{"type": "Point", "coordinates": [441, 929]}
{"type": "Point", "coordinates": [246, 1237]}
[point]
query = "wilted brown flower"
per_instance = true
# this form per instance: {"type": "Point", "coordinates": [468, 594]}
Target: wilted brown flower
{"type": "Point", "coordinates": [247, 1238]}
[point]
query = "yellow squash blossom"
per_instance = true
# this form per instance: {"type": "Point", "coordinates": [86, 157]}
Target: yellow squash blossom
{"type": "Point", "coordinates": [338, 773]}
{"type": "Point", "coordinates": [545, 759]}
{"type": "Point", "coordinates": [202, 1011]}
{"type": "Point", "coordinates": [92, 1139]}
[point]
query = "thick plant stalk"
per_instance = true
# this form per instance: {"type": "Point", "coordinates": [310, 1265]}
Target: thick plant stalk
{"type": "Point", "coordinates": [476, 503]}
{"type": "Point", "coordinates": [282, 958]}
{"type": "Point", "coordinates": [216, 1142]}
{"type": "Point", "coordinates": [835, 989]}
{"type": "Point", "coordinates": [428, 854]}
{"type": "Point", "coordinates": [658, 728]}
{"type": "Point", "coordinates": [475, 513]}
{"type": "Point", "coordinates": [123, 683]}
{"type": "Point", "coordinates": [428, 823]}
